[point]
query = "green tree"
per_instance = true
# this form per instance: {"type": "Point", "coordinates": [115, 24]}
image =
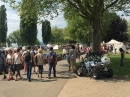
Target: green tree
{"type": "Point", "coordinates": [46, 31]}
{"type": "Point", "coordinates": [37, 42]}
{"type": "Point", "coordinates": [79, 30]}
{"type": "Point", "coordinates": [3, 24]}
{"type": "Point", "coordinates": [8, 41]}
{"type": "Point", "coordinates": [15, 37]}
{"type": "Point", "coordinates": [128, 31]}
{"type": "Point", "coordinates": [58, 36]}
{"type": "Point", "coordinates": [117, 30]}
{"type": "Point", "coordinates": [90, 10]}
{"type": "Point", "coordinates": [28, 24]}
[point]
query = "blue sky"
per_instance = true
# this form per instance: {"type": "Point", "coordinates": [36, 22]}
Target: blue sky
{"type": "Point", "coordinates": [13, 21]}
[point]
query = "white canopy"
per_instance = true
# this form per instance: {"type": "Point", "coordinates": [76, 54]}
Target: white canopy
{"type": "Point", "coordinates": [117, 45]}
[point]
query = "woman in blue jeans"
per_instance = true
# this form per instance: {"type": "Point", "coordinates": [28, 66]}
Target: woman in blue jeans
{"type": "Point", "coordinates": [40, 61]}
{"type": "Point", "coordinates": [9, 61]}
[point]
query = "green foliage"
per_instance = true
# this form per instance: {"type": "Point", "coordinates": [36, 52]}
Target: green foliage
{"type": "Point", "coordinates": [46, 31]}
{"type": "Point", "coordinates": [15, 37]}
{"type": "Point", "coordinates": [3, 24]}
{"type": "Point", "coordinates": [90, 10]}
{"type": "Point", "coordinates": [108, 17]}
{"type": "Point", "coordinates": [37, 42]}
{"type": "Point", "coordinates": [28, 22]}
{"type": "Point", "coordinates": [58, 36]}
{"type": "Point", "coordinates": [79, 29]}
{"type": "Point", "coordinates": [128, 31]}
{"type": "Point", "coordinates": [117, 30]}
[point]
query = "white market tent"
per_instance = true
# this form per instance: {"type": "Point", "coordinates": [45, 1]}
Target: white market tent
{"type": "Point", "coordinates": [117, 45]}
{"type": "Point", "coordinates": [56, 47]}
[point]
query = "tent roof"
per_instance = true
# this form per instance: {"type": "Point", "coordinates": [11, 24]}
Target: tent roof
{"type": "Point", "coordinates": [113, 42]}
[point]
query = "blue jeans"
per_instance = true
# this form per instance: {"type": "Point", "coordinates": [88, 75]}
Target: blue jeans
{"type": "Point", "coordinates": [29, 70]}
{"type": "Point", "coordinates": [52, 65]}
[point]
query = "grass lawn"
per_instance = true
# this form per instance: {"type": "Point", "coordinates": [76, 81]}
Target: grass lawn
{"type": "Point", "coordinates": [115, 61]}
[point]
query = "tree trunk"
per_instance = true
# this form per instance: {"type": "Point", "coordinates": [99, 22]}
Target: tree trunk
{"type": "Point", "coordinates": [96, 34]}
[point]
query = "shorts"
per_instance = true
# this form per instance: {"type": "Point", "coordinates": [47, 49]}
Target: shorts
{"type": "Point", "coordinates": [10, 67]}
{"type": "Point", "coordinates": [1, 68]}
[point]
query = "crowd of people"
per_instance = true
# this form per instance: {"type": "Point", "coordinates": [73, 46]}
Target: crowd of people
{"type": "Point", "coordinates": [13, 60]}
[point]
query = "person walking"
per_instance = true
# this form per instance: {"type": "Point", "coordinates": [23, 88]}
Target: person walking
{"type": "Point", "coordinates": [64, 53]}
{"type": "Point", "coordinates": [24, 63]}
{"type": "Point", "coordinates": [2, 64]}
{"type": "Point", "coordinates": [40, 61]}
{"type": "Point", "coordinates": [122, 57]}
{"type": "Point", "coordinates": [17, 58]}
{"type": "Point", "coordinates": [10, 64]}
{"type": "Point", "coordinates": [28, 55]}
{"type": "Point", "coordinates": [68, 60]}
{"type": "Point", "coordinates": [73, 55]}
{"type": "Point", "coordinates": [52, 62]}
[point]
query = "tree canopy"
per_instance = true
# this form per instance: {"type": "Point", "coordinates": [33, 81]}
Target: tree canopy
{"type": "Point", "coordinates": [117, 30]}
{"type": "Point", "coordinates": [46, 31]}
{"type": "Point", "coordinates": [28, 24]}
{"type": "Point", "coordinates": [3, 24]}
{"type": "Point", "coordinates": [90, 10]}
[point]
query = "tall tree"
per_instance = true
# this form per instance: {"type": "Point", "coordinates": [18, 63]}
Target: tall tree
{"type": "Point", "coordinates": [28, 24]}
{"type": "Point", "coordinates": [58, 36]}
{"type": "Point", "coordinates": [117, 30]}
{"type": "Point", "coordinates": [15, 37]}
{"type": "Point", "coordinates": [46, 31]}
{"type": "Point", "coordinates": [91, 10]}
{"type": "Point", "coordinates": [3, 24]}
{"type": "Point", "coordinates": [128, 32]}
{"type": "Point", "coordinates": [79, 30]}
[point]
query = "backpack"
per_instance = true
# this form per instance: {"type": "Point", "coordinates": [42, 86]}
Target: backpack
{"type": "Point", "coordinates": [51, 58]}
{"type": "Point", "coordinates": [27, 57]}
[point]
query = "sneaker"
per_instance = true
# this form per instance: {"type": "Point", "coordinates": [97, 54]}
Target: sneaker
{"type": "Point", "coordinates": [24, 73]}
{"type": "Point", "coordinates": [49, 77]}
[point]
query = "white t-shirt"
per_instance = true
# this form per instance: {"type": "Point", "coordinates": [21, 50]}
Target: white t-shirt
{"type": "Point", "coordinates": [17, 59]}
{"type": "Point", "coordinates": [9, 58]}
{"type": "Point", "coordinates": [64, 51]}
